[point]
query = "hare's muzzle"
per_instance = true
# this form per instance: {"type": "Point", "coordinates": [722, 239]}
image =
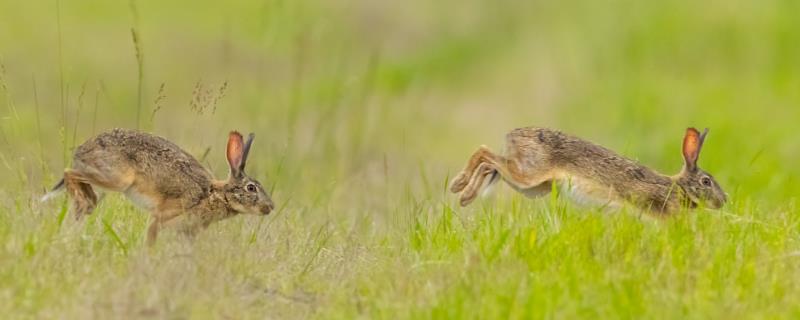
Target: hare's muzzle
{"type": "Point", "coordinates": [267, 208]}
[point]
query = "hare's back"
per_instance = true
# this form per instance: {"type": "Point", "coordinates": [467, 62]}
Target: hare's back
{"type": "Point", "coordinates": [557, 148]}
{"type": "Point", "coordinates": [153, 160]}
{"type": "Point", "coordinates": [576, 158]}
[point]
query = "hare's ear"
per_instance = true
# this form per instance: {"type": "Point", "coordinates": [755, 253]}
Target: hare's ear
{"type": "Point", "coordinates": [235, 154]}
{"type": "Point", "coordinates": [246, 151]}
{"type": "Point", "coordinates": [692, 144]}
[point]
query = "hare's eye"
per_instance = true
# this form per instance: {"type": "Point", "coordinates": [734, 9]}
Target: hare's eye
{"type": "Point", "coordinates": [250, 187]}
{"type": "Point", "coordinates": [706, 181]}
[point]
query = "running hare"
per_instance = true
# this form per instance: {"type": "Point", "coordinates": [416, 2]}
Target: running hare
{"type": "Point", "coordinates": [160, 177]}
{"type": "Point", "coordinates": [535, 158]}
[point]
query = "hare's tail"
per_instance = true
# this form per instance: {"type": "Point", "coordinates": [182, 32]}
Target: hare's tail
{"type": "Point", "coordinates": [56, 190]}
{"type": "Point", "coordinates": [495, 176]}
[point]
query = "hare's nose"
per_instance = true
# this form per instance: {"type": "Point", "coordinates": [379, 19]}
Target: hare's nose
{"type": "Point", "coordinates": [268, 208]}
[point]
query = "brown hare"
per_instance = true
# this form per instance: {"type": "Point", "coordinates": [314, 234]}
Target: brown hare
{"type": "Point", "coordinates": [162, 178]}
{"type": "Point", "coordinates": [537, 158]}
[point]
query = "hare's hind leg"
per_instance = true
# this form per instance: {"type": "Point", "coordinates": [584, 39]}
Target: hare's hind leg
{"type": "Point", "coordinates": [484, 170]}
{"type": "Point", "coordinates": [509, 168]}
{"type": "Point", "coordinates": [465, 176]}
{"type": "Point", "coordinates": [80, 179]}
{"type": "Point", "coordinates": [84, 199]}
{"type": "Point", "coordinates": [525, 170]}
{"type": "Point", "coordinates": [481, 164]}
{"type": "Point", "coordinates": [473, 187]}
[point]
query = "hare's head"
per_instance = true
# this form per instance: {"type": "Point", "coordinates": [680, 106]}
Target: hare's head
{"type": "Point", "coordinates": [244, 194]}
{"type": "Point", "coordinates": [700, 186]}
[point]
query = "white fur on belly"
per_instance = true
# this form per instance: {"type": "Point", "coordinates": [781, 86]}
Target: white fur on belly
{"type": "Point", "coordinates": [140, 200]}
{"type": "Point", "coordinates": [588, 193]}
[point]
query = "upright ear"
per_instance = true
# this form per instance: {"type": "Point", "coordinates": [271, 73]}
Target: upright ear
{"type": "Point", "coordinates": [692, 143]}
{"type": "Point", "coordinates": [236, 154]}
{"type": "Point", "coordinates": [246, 151]}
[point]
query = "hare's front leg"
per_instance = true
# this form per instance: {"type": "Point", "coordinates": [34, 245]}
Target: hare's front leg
{"type": "Point", "coordinates": [152, 232]}
{"type": "Point", "coordinates": [159, 218]}
{"type": "Point", "coordinates": [191, 230]}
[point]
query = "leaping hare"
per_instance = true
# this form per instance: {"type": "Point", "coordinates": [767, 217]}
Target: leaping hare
{"type": "Point", "coordinates": [162, 178]}
{"type": "Point", "coordinates": [536, 158]}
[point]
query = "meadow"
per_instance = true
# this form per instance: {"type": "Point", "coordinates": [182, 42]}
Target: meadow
{"type": "Point", "coordinates": [363, 111]}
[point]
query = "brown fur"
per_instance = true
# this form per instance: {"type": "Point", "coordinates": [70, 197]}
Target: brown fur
{"type": "Point", "coordinates": [163, 178]}
{"type": "Point", "coordinates": [535, 158]}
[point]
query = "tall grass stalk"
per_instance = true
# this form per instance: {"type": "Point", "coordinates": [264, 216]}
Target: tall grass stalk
{"type": "Point", "coordinates": [95, 111]}
{"type": "Point", "coordinates": [61, 84]}
{"type": "Point", "coordinates": [4, 88]}
{"type": "Point", "coordinates": [137, 45]}
{"type": "Point", "coordinates": [295, 92]}
{"type": "Point", "coordinates": [78, 108]}
{"type": "Point", "coordinates": [36, 106]}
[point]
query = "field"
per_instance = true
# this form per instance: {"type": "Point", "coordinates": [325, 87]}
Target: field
{"type": "Point", "coordinates": [363, 111]}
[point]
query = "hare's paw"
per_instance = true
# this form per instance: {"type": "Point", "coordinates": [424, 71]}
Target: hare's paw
{"type": "Point", "coordinates": [81, 208]}
{"type": "Point", "coordinates": [459, 183]}
{"type": "Point", "coordinates": [467, 198]}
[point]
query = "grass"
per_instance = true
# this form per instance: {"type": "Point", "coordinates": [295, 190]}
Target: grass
{"type": "Point", "coordinates": [362, 113]}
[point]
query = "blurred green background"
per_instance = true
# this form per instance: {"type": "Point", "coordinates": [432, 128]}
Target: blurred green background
{"type": "Point", "coordinates": [354, 82]}
{"type": "Point", "coordinates": [364, 109]}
